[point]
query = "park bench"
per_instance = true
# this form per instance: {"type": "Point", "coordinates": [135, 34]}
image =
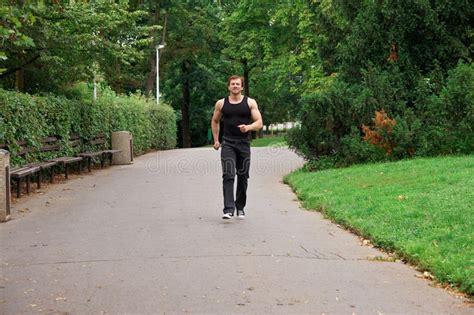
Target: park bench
{"type": "Point", "coordinates": [100, 151]}
{"type": "Point", "coordinates": [48, 144]}
{"type": "Point", "coordinates": [69, 161]}
{"type": "Point", "coordinates": [25, 172]}
{"type": "Point", "coordinates": [39, 169]}
{"type": "Point", "coordinates": [51, 144]}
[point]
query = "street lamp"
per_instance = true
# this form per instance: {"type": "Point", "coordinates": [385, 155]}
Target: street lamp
{"type": "Point", "coordinates": [158, 47]}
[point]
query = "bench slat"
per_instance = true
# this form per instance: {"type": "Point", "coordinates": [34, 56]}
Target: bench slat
{"type": "Point", "coordinates": [90, 154]}
{"type": "Point", "coordinates": [23, 151]}
{"type": "Point", "coordinates": [49, 139]}
{"type": "Point", "coordinates": [98, 141]}
{"type": "Point", "coordinates": [45, 165]}
{"type": "Point", "coordinates": [49, 147]}
{"type": "Point", "coordinates": [24, 171]}
{"type": "Point", "coordinates": [67, 159]}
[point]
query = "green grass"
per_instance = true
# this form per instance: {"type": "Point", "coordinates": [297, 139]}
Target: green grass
{"type": "Point", "coordinates": [269, 141]}
{"type": "Point", "coordinates": [421, 209]}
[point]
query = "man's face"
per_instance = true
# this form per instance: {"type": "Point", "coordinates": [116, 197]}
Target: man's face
{"type": "Point", "coordinates": [235, 86]}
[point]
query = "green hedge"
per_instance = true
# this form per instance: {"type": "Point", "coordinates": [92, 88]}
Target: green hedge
{"type": "Point", "coordinates": [432, 118]}
{"type": "Point", "coordinates": [30, 118]}
{"type": "Point", "coordinates": [152, 126]}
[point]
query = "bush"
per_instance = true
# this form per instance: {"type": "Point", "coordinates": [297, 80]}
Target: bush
{"type": "Point", "coordinates": [457, 101]}
{"type": "Point", "coordinates": [21, 120]}
{"type": "Point", "coordinates": [152, 127]}
{"type": "Point", "coordinates": [435, 117]}
{"type": "Point", "coordinates": [439, 124]}
{"type": "Point", "coordinates": [325, 118]}
{"type": "Point", "coordinates": [381, 136]}
{"type": "Point", "coordinates": [354, 149]}
{"type": "Point", "coordinates": [30, 118]}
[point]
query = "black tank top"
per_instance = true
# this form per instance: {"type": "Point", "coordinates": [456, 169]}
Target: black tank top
{"type": "Point", "coordinates": [235, 115]}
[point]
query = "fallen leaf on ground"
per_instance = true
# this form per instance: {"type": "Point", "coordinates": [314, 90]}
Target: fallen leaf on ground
{"type": "Point", "coordinates": [428, 275]}
{"type": "Point", "coordinates": [425, 275]}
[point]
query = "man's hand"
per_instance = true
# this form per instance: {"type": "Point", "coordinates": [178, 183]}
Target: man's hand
{"type": "Point", "coordinates": [217, 145]}
{"type": "Point", "coordinates": [244, 128]}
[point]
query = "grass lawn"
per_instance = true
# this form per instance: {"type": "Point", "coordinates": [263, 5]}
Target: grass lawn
{"type": "Point", "coordinates": [422, 209]}
{"type": "Point", "coordinates": [269, 141]}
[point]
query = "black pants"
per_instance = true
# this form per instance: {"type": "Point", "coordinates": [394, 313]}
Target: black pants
{"type": "Point", "coordinates": [235, 159]}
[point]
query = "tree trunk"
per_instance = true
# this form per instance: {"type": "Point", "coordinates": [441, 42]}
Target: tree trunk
{"type": "Point", "coordinates": [21, 66]}
{"type": "Point", "coordinates": [20, 80]}
{"type": "Point", "coordinates": [117, 83]}
{"type": "Point", "coordinates": [185, 104]}
{"type": "Point", "coordinates": [246, 77]}
{"type": "Point", "coordinates": [151, 80]}
{"type": "Point", "coordinates": [20, 76]}
{"type": "Point", "coordinates": [247, 86]}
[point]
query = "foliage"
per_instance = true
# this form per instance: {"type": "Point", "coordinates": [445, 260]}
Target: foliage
{"type": "Point", "coordinates": [386, 65]}
{"type": "Point", "coordinates": [381, 55]}
{"type": "Point", "coordinates": [457, 108]}
{"type": "Point", "coordinates": [72, 42]}
{"type": "Point", "coordinates": [382, 132]}
{"type": "Point", "coordinates": [31, 118]}
{"type": "Point", "coordinates": [11, 23]}
{"type": "Point", "coordinates": [245, 33]}
{"type": "Point", "coordinates": [193, 77]}
{"type": "Point", "coordinates": [419, 209]}
{"type": "Point", "coordinates": [423, 33]}
{"type": "Point", "coordinates": [152, 127]}
{"type": "Point", "coordinates": [325, 118]}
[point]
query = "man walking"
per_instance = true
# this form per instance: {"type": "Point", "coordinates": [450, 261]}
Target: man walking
{"type": "Point", "coordinates": [241, 115]}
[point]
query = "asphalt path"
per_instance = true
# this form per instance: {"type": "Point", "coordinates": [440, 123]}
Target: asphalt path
{"type": "Point", "coordinates": [148, 238]}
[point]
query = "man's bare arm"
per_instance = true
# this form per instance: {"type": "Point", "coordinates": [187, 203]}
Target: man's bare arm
{"type": "Point", "coordinates": [257, 123]}
{"type": "Point", "coordinates": [216, 117]}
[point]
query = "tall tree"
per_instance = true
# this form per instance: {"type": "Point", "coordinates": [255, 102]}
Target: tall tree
{"type": "Point", "coordinates": [246, 36]}
{"type": "Point", "coordinates": [71, 41]}
{"type": "Point", "coordinates": [192, 47]}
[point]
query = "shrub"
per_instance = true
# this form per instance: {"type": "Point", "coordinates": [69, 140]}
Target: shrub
{"type": "Point", "coordinates": [441, 122]}
{"type": "Point", "coordinates": [30, 118]}
{"type": "Point", "coordinates": [354, 149]}
{"type": "Point", "coordinates": [22, 121]}
{"type": "Point", "coordinates": [435, 117]}
{"type": "Point", "coordinates": [152, 127]}
{"type": "Point", "coordinates": [457, 101]}
{"type": "Point", "coordinates": [325, 118]}
{"type": "Point", "coordinates": [381, 135]}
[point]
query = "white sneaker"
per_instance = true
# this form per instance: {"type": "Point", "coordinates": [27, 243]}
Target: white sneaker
{"type": "Point", "coordinates": [241, 214]}
{"type": "Point", "coordinates": [227, 216]}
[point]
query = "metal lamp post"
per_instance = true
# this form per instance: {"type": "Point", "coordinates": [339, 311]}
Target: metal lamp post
{"type": "Point", "coordinates": [158, 47]}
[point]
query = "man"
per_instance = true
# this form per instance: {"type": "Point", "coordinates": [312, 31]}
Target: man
{"type": "Point", "coordinates": [241, 116]}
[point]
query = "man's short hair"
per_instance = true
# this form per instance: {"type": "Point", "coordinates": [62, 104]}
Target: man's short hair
{"type": "Point", "coordinates": [234, 77]}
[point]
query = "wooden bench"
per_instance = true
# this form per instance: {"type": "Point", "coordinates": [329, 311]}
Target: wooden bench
{"type": "Point", "coordinates": [101, 151]}
{"type": "Point", "coordinates": [23, 172]}
{"type": "Point", "coordinates": [67, 161]}
{"type": "Point", "coordinates": [51, 144]}
{"type": "Point", "coordinates": [48, 144]}
{"type": "Point", "coordinates": [39, 169]}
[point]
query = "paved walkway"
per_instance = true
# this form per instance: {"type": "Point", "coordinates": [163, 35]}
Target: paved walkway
{"type": "Point", "coordinates": [147, 238]}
